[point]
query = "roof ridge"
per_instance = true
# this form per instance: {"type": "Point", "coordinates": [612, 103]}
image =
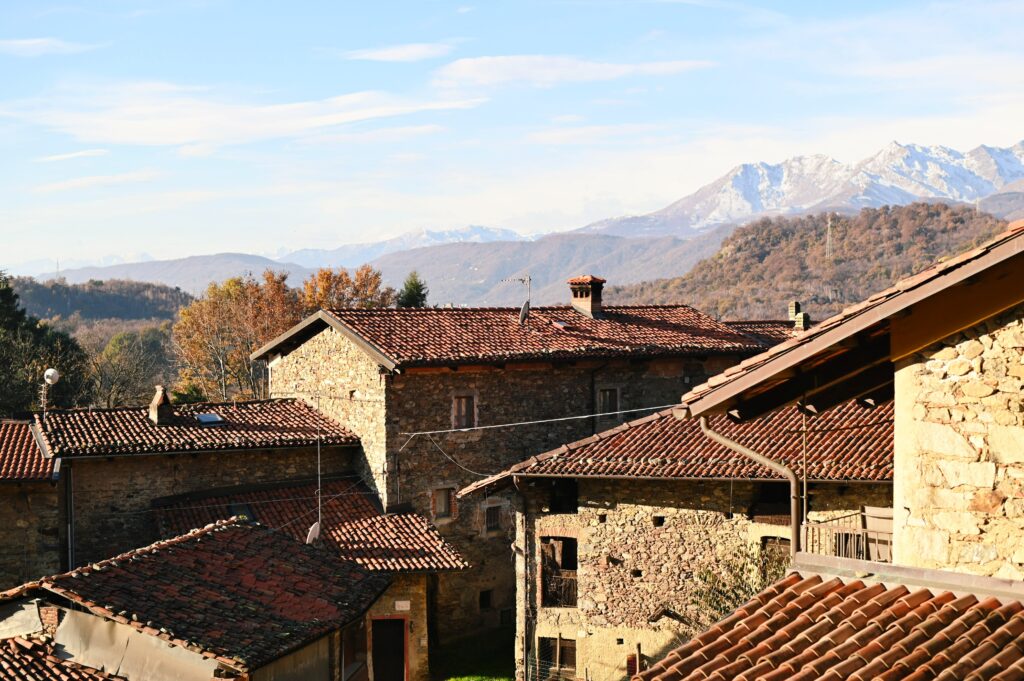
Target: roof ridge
{"type": "Point", "coordinates": [136, 407]}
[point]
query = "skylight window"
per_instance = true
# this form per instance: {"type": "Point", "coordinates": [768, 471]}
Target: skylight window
{"type": "Point", "coordinates": [210, 419]}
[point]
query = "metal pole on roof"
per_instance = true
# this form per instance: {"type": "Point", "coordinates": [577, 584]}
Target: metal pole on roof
{"type": "Point", "coordinates": [314, 531]}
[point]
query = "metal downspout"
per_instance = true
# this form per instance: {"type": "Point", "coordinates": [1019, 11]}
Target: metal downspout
{"type": "Point", "coordinates": [781, 469]}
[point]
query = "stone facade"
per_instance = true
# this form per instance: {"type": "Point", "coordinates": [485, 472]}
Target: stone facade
{"type": "Point", "coordinates": [29, 532]}
{"type": "Point", "coordinates": [110, 497]}
{"type": "Point", "coordinates": [639, 546]}
{"type": "Point", "coordinates": [406, 599]}
{"type": "Point", "coordinates": [959, 472]}
{"type": "Point", "coordinates": [383, 408]}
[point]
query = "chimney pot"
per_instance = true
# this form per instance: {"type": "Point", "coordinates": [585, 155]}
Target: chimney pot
{"type": "Point", "coordinates": [160, 409]}
{"type": "Point", "coordinates": [586, 295]}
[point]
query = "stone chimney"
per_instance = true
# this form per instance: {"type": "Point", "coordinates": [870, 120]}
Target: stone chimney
{"type": "Point", "coordinates": [586, 295]}
{"type": "Point", "coordinates": [161, 411]}
{"type": "Point", "coordinates": [801, 320]}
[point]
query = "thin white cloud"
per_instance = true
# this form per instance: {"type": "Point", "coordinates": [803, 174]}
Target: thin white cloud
{"type": "Point", "coordinates": [92, 181]}
{"type": "Point", "coordinates": [549, 70]}
{"type": "Point", "coordinates": [160, 114]}
{"type": "Point", "coordinates": [38, 47]}
{"type": "Point", "coordinates": [381, 135]}
{"type": "Point", "coordinates": [85, 153]}
{"type": "Point", "coordinates": [590, 134]}
{"type": "Point", "coordinates": [402, 53]}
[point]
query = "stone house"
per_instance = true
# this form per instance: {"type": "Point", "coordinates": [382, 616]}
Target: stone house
{"type": "Point", "coordinates": [115, 462]}
{"type": "Point", "coordinates": [230, 600]}
{"type": "Point", "coordinates": [29, 513]}
{"type": "Point", "coordinates": [947, 347]}
{"type": "Point", "coordinates": [424, 388]}
{"type": "Point", "coordinates": [615, 532]}
{"type": "Point", "coordinates": [404, 546]}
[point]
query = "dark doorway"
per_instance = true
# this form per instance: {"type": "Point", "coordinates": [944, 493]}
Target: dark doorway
{"type": "Point", "coordinates": [388, 640]}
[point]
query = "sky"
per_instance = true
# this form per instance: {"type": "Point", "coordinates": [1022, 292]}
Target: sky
{"type": "Point", "coordinates": [172, 128]}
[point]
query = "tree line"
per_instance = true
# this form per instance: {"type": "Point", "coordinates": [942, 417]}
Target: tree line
{"type": "Point", "coordinates": [203, 354]}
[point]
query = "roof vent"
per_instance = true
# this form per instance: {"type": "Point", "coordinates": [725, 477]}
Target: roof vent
{"type": "Point", "coordinates": [210, 419]}
{"type": "Point", "coordinates": [586, 295]}
{"type": "Point", "coordinates": [161, 411]}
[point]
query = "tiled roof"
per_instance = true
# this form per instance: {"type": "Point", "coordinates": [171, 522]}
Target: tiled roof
{"type": "Point", "coordinates": [29, 659]}
{"type": "Point", "coordinates": [831, 629]}
{"type": "Point", "coordinates": [407, 337]}
{"type": "Point", "coordinates": [767, 331]}
{"type": "Point", "coordinates": [235, 591]}
{"type": "Point", "coordinates": [256, 424]}
{"type": "Point", "coordinates": [778, 357]}
{"type": "Point", "coordinates": [20, 458]}
{"type": "Point", "coordinates": [848, 443]}
{"type": "Point", "coordinates": [352, 523]}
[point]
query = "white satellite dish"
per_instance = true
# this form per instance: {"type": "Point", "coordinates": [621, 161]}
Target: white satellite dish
{"type": "Point", "coordinates": [51, 376]}
{"type": "Point", "coordinates": [314, 533]}
{"type": "Point", "coordinates": [524, 312]}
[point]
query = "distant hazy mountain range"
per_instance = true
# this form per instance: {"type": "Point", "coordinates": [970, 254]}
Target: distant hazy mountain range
{"type": "Point", "coordinates": [467, 266]}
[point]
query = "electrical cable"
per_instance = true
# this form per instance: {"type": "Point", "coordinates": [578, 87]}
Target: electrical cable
{"type": "Point", "coordinates": [539, 421]}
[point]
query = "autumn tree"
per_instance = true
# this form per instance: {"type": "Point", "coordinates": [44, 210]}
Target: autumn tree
{"type": "Point", "coordinates": [127, 367]}
{"type": "Point", "coordinates": [414, 291]}
{"type": "Point", "coordinates": [327, 288]}
{"type": "Point", "coordinates": [215, 335]}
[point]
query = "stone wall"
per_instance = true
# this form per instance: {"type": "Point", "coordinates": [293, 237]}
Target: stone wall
{"type": "Point", "coordinates": [422, 401]}
{"type": "Point", "coordinates": [29, 532]}
{"type": "Point", "coordinates": [640, 545]}
{"type": "Point", "coordinates": [331, 373]}
{"type": "Point", "coordinates": [960, 452]}
{"type": "Point", "coordinates": [407, 590]}
{"type": "Point", "coordinates": [112, 496]}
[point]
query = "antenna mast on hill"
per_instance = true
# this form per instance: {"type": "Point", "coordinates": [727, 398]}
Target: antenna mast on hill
{"type": "Point", "coordinates": [828, 239]}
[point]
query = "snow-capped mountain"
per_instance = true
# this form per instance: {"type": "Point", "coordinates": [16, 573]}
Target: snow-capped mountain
{"type": "Point", "coordinates": [353, 255]}
{"type": "Point", "coordinates": [897, 174]}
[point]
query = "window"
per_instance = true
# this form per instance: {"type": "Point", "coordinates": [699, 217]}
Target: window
{"type": "Point", "coordinates": [463, 411]}
{"type": "Point", "coordinates": [486, 597]}
{"type": "Point", "coordinates": [558, 572]}
{"type": "Point", "coordinates": [556, 658]}
{"type": "Point", "coordinates": [443, 503]}
{"type": "Point", "coordinates": [564, 496]}
{"type": "Point", "coordinates": [771, 503]}
{"type": "Point", "coordinates": [492, 518]}
{"type": "Point", "coordinates": [608, 401]}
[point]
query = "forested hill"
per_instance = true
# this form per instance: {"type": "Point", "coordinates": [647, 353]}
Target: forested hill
{"type": "Point", "coordinates": [93, 300]}
{"type": "Point", "coordinates": [765, 264]}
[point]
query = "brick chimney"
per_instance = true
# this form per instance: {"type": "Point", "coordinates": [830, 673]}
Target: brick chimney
{"type": "Point", "coordinates": [586, 295]}
{"type": "Point", "coordinates": [801, 320]}
{"type": "Point", "coordinates": [161, 411]}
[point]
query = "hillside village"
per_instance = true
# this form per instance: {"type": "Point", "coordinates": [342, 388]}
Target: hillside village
{"type": "Point", "coordinates": [636, 491]}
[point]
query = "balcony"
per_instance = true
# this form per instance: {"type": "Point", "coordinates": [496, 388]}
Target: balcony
{"type": "Point", "coordinates": [558, 589]}
{"type": "Point", "coordinates": [863, 535]}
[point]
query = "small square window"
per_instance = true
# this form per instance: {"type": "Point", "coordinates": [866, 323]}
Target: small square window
{"type": "Point", "coordinates": [443, 502]}
{"type": "Point", "coordinates": [658, 520]}
{"type": "Point", "coordinates": [492, 518]}
{"type": "Point", "coordinates": [463, 411]}
{"type": "Point", "coordinates": [608, 403]}
{"type": "Point", "coordinates": [486, 598]}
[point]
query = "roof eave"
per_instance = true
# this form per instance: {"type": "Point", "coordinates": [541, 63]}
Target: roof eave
{"type": "Point", "coordinates": [325, 318]}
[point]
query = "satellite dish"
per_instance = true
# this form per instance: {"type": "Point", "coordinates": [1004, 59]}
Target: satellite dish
{"type": "Point", "coordinates": [314, 533]}
{"type": "Point", "coordinates": [51, 376]}
{"type": "Point", "coordinates": [524, 312]}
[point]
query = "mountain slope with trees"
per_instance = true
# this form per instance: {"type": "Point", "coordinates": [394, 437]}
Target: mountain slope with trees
{"type": "Point", "coordinates": [764, 265]}
{"type": "Point", "coordinates": [109, 299]}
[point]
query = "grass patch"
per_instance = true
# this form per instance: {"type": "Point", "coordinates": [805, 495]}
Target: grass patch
{"type": "Point", "coordinates": [483, 657]}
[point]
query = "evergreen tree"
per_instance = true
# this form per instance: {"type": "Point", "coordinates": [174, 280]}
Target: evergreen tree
{"type": "Point", "coordinates": [27, 348]}
{"type": "Point", "coordinates": [414, 291]}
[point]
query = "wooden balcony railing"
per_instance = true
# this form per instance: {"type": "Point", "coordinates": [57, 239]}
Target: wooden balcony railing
{"type": "Point", "coordinates": [864, 535]}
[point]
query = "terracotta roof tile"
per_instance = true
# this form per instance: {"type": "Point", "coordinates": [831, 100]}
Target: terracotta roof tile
{"type": "Point", "coordinates": [443, 336]}
{"type": "Point", "coordinates": [239, 592]}
{"type": "Point", "coordinates": [29, 659]}
{"type": "Point", "coordinates": [352, 523]}
{"type": "Point", "coordinates": [20, 458]}
{"type": "Point", "coordinates": [849, 442]}
{"type": "Point", "coordinates": [860, 632]}
{"type": "Point", "coordinates": [767, 331]}
{"type": "Point", "coordinates": [900, 288]}
{"type": "Point", "coordinates": [256, 424]}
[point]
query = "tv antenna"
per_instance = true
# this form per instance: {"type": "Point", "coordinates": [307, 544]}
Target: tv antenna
{"type": "Point", "coordinates": [314, 530]}
{"type": "Point", "coordinates": [524, 311]}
